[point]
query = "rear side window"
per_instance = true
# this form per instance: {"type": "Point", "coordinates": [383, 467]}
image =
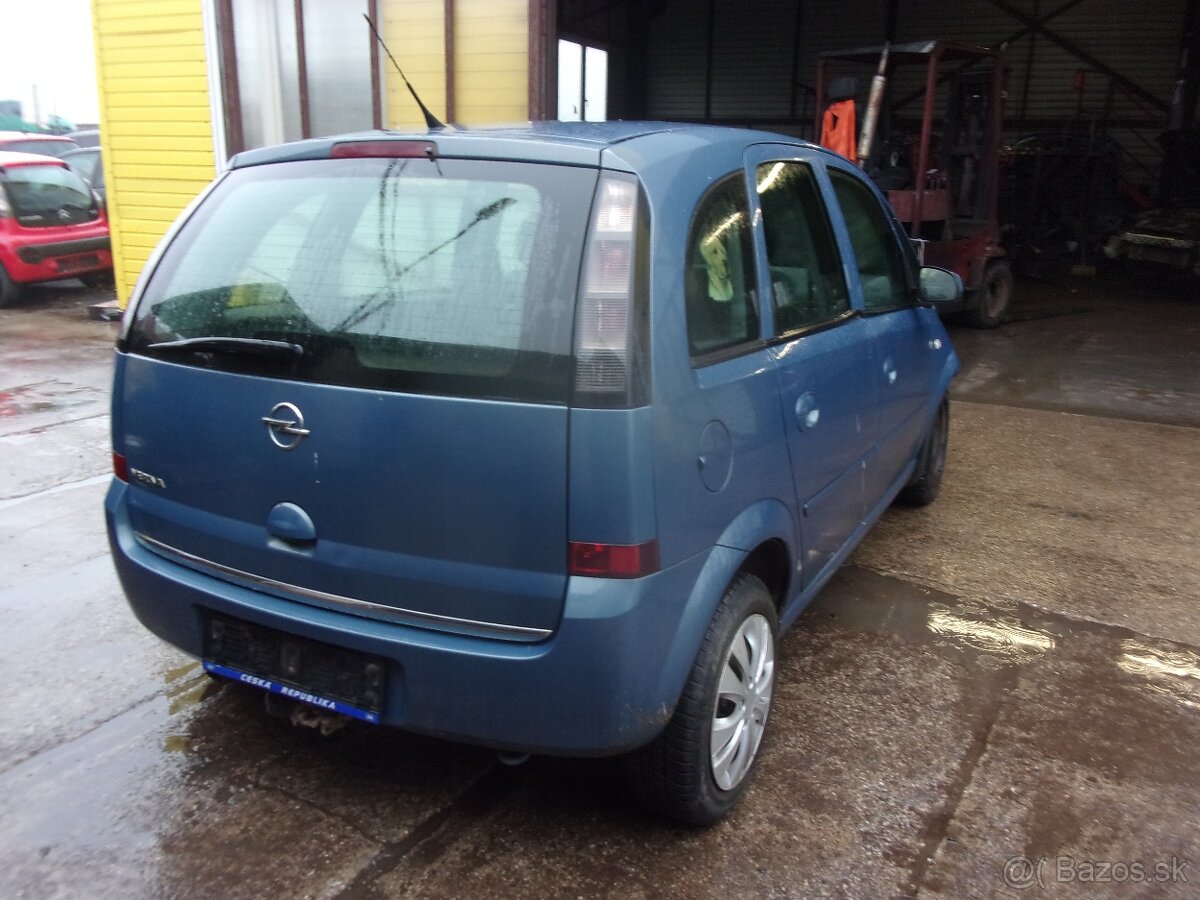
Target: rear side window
{"type": "Point", "coordinates": [881, 265]}
{"type": "Point", "coordinates": [807, 285]}
{"type": "Point", "coordinates": [721, 304]}
{"type": "Point", "coordinates": [44, 196]}
{"type": "Point", "coordinates": [455, 277]}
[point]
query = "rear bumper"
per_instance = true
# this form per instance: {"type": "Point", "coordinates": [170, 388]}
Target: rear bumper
{"type": "Point", "coordinates": [58, 259]}
{"type": "Point", "coordinates": [606, 681]}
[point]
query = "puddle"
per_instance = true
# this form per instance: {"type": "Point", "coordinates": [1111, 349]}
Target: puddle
{"type": "Point", "coordinates": [187, 686]}
{"type": "Point", "coordinates": [992, 635]}
{"type": "Point", "coordinates": [978, 627]}
{"type": "Point", "coordinates": [1169, 673]}
{"type": "Point", "coordinates": [998, 635]}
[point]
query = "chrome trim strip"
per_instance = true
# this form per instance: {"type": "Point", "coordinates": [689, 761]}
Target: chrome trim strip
{"type": "Point", "coordinates": [350, 604]}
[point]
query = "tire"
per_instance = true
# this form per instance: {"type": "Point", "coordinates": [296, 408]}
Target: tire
{"type": "Point", "coordinates": [923, 488]}
{"type": "Point", "coordinates": [9, 289]}
{"type": "Point", "coordinates": [679, 774]}
{"type": "Point", "coordinates": [994, 296]}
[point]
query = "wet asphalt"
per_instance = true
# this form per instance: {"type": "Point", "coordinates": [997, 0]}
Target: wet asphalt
{"type": "Point", "coordinates": [999, 695]}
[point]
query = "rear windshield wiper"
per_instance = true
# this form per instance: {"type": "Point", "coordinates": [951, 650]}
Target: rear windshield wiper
{"type": "Point", "coordinates": [257, 346]}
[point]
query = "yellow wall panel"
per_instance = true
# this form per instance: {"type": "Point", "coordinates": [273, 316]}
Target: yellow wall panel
{"type": "Point", "coordinates": [415, 33]}
{"type": "Point", "coordinates": [140, 69]}
{"type": "Point", "coordinates": [128, 60]}
{"type": "Point", "coordinates": [492, 52]}
{"type": "Point", "coordinates": [145, 131]}
{"type": "Point", "coordinates": [149, 41]}
{"type": "Point", "coordinates": [155, 121]}
{"type": "Point", "coordinates": [157, 23]}
{"type": "Point", "coordinates": [491, 48]}
{"type": "Point", "coordinates": [196, 85]}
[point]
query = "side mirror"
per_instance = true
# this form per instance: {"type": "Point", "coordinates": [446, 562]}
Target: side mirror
{"type": "Point", "coordinates": [940, 285]}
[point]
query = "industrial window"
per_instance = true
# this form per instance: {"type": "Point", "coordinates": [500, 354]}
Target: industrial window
{"type": "Point", "coordinates": [881, 268]}
{"type": "Point", "coordinates": [582, 83]}
{"type": "Point", "coordinates": [721, 309]}
{"type": "Point", "coordinates": [807, 286]}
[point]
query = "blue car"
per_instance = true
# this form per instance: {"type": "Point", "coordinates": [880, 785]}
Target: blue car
{"type": "Point", "coordinates": [534, 438]}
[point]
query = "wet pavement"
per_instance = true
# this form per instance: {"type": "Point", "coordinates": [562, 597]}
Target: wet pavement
{"type": "Point", "coordinates": [999, 695]}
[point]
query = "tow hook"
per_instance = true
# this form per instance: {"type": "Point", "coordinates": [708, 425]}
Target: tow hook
{"type": "Point", "coordinates": [309, 717]}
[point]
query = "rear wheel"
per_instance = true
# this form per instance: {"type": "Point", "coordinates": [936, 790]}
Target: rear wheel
{"type": "Point", "coordinates": [9, 289]}
{"type": "Point", "coordinates": [702, 763]}
{"type": "Point", "coordinates": [994, 296]}
{"type": "Point", "coordinates": [927, 480]}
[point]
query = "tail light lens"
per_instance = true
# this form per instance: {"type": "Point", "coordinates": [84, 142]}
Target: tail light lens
{"type": "Point", "coordinates": [120, 469]}
{"type": "Point", "coordinates": [383, 150]}
{"type": "Point", "coordinates": [612, 319]}
{"type": "Point", "coordinates": [613, 560]}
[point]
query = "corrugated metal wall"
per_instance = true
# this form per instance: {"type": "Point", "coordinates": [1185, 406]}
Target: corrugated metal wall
{"type": "Point", "coordinates": [754, 52]}
{"type": "Point", "coordinates": [155, 121]}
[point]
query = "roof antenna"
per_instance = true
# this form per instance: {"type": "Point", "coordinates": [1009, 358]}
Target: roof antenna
{"type": "Point", "coordinates": [432, 122]}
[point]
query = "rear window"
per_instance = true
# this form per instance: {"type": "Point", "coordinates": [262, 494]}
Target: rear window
{"type": "Point", "coordinates": [452, 277]}
{"type": "Point", "coordinates": [42, 196]}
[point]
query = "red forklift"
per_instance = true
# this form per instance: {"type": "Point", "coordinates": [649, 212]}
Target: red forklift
{"type": "Point", "coordinates": [940, 173]}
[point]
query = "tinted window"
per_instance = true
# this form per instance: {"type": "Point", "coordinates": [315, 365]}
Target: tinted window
{"type": "Point", "coordinates": [807, 286]}
{"type": "Point", "coordinates": [87, 164]}
{"type": "Point", "coordinates": [42, 196]}
{"type": "Point", "coordinates": [455, 277]}
{"type": "Point", "coordinates": [721, 309]}
{"type": "Point", "coordinates": [881, 266]}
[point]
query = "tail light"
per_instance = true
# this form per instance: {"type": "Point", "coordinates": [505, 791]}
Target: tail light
{"type": "Point", "coordinates": [612, 315]}
{"type": "Point", "coordinates": [383, 150]}
{"type": "Point", "coordinates": [613, 560]}
{"type": "Point", "coordinates": [120, 469]}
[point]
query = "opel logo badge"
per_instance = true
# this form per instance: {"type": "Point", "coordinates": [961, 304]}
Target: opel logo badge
{"type": "Point", "coordinates": [285, 425]}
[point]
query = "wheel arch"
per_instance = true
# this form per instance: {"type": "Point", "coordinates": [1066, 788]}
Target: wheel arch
{"type": "Point", "coordinates": [760, 541]}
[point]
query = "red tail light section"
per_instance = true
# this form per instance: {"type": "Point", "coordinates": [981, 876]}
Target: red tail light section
{"type": "Point", "coordinates": [120, 469]}
{"type": "Point", "coordinates": [613, 560]}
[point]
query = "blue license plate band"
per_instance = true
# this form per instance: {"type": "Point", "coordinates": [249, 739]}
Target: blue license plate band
{"type": "Point", "coordinates": [286, 690]}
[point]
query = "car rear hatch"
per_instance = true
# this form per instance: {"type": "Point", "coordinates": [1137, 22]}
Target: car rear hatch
{"type": "Point", "coordinates": [52, 214]}
{"type": "Point", "coordinates": [346, 383]}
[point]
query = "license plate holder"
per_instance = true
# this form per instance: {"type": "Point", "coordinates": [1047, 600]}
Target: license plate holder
{"type": "Point", "coordinates": [331, 678]}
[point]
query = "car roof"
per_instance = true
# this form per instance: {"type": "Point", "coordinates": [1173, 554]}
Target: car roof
{"type": "Point", "coordinates": [578, 143]}
{"type": "Point", "coordinates": [9, 158]}
{"type": "Point", "coordinates": [6, 136]}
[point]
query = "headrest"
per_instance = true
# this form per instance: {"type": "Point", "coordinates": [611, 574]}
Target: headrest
{"type": "Point", "coordinates": [843, 88]}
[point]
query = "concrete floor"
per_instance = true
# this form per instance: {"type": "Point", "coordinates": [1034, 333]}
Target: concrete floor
{"type": "Point", "coordinates": [1010, 674]}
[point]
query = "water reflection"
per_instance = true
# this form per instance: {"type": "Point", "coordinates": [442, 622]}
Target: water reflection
{"type": "Point", "coordinates": [1171, 673]}
{"type": "Point", "coordinates": [981, 628]}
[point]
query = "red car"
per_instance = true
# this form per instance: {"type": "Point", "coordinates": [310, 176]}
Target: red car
{"type": "Point", "coordinates": [36, 142]}
{"type": "Point", "coordinates": [51, 225]}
